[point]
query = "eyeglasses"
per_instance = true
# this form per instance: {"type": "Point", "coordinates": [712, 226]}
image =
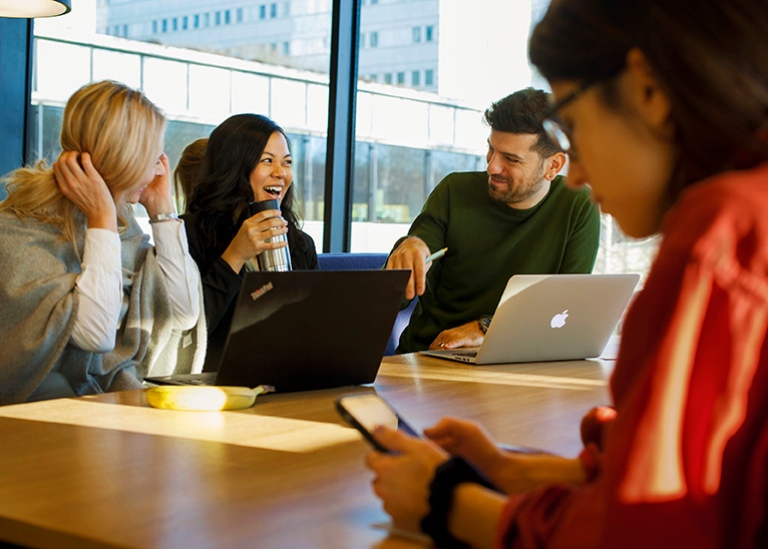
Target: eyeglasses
{"type": "Point", "coordinates": [554, 128]}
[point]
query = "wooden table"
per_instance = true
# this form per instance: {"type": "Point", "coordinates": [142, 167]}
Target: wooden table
{"type": "Point", "coordinates": [109, 471]}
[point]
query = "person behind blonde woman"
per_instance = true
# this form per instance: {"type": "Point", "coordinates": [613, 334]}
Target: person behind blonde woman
{"type": "Point", "coordinates": [86, 304]}
{"type": "Point", "coordinates": [663, 106]}
{"type": "Point", "coordinates": [188, 170]}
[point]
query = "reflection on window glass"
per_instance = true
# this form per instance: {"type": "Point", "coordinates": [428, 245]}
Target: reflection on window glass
{"type": "Point", "coordinates": [47, 141]}
{"type": "Point", "coordinates": [363, 195]}
{"type": "Point", "coordinates": [308, 176]}
{"type": "Point", "coordinates": [401, 183]}
{"type": "Point", "coordinates": [443, 163]}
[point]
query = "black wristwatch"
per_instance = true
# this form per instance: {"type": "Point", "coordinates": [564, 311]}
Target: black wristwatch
{"type": "Point", "coordinates": [485, 322]}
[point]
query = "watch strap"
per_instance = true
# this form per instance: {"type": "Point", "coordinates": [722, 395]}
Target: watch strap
{"type": "Point", "coordinates": [485, 322]}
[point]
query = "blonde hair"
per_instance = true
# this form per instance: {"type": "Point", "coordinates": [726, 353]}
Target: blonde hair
{"type": "Point", "coordinates": [188, 170]}
{"type": "Point", "coordinates": [122, 131]}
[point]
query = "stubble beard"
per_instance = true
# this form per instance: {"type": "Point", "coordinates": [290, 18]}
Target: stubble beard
{"type": "Point", "coordinates": [517, 193]}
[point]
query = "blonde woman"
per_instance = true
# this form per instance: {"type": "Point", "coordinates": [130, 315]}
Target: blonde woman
{"type": "Point", "coordinates": [87, 305]}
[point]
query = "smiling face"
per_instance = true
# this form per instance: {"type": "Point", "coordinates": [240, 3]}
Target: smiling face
{"type": "Point", "coordinates": [625, 154]}
{"type": "Point", "coordinates": [517, 175]}
{"type": "Point", "coordinates": [273, 173]}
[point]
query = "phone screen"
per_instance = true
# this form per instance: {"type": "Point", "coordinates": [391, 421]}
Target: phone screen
{"type": "Point", "coordinates": [365, 412]}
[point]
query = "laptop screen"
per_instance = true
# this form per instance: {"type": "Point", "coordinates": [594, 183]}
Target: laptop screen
{"type": "Point", "coordinates": [301, 330]}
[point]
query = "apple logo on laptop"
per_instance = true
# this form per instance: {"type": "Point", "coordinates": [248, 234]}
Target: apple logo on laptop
{"type": "Point", "coordinates": [558, 321]}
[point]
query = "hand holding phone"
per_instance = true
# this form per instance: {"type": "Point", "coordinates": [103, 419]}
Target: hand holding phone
{"type": "Point", "coordinates": [365, 411]}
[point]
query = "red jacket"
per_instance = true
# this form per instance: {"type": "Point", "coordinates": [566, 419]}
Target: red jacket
{"type": "Point", "coordinates": [685, 462]}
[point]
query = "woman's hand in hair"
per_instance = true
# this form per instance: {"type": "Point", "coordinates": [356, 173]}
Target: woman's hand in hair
{"type": "Point", "coordinates": [252, 238]}
{"type": "Point", "coordinates": [157, 196]}
{"type": "Point", "coordinates": [79, 181]}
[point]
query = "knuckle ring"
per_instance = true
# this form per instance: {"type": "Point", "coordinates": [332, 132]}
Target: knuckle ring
{"type": "Point", "coordinates": [440, 344]}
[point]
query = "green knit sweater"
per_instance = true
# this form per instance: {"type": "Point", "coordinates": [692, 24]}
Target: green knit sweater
{"type": "Point", "coordinates": [488, 242]}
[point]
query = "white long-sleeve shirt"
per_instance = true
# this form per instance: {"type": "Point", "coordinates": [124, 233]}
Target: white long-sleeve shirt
{"type": "Point", "coordinates": [100, 284]}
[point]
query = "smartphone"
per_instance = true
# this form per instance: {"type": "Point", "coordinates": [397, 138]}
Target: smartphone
{"type": "Point", "coordinates": [366, 411]}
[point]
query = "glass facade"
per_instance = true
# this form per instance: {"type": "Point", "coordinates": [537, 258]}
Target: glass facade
{"type": "Point", "coordinates": [408, 135]}
{"type": "Point", "coordinates": [396, 165]}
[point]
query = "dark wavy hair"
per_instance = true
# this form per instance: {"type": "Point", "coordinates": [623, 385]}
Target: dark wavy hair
{"type": "Point", "coordinates": [709, 56]}
{"type": "Point", "coordinates": [523, 112]}
{"type": "Point", "coordinates": [223, 189]}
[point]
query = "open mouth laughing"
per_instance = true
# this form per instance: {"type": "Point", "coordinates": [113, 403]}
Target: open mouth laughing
{"type": "Point", "coordinates": [274, 190]}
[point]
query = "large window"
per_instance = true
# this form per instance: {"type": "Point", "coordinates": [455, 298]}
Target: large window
{"type": "Point", "coordinates": [460, 60]}
{"type": "Point", "coordinates": [254, 69]}
{"type": "Point", "coordinates": [430, 69]}
{"type": "Point", "coordinates": [450, 55]}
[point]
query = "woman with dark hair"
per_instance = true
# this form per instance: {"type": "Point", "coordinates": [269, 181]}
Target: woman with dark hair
{"type": "Point", "coordinates": [247, 158]}
{"type": "Point", "coordinates": [667, 104]}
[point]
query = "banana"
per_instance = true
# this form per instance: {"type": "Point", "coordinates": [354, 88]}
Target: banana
{"type": "Point", "coordinates": [198, 398]}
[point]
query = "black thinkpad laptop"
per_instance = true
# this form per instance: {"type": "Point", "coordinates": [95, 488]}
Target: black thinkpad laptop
{"type": "Point", "coordinates": [305, 330]}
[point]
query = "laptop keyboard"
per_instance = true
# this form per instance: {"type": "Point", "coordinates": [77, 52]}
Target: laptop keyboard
{"type": "Point", "coordinates": [198, 381]}
{"type": "Point", "coordinates": [464, 353]}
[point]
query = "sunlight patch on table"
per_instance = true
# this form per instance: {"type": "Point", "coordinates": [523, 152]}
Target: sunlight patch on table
{"type": "Point", "coordinates": [239, 428]}
{"type": "Point", "coordinates": [504, 378]}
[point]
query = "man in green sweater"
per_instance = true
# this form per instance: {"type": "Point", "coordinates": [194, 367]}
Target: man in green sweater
{"type": "Point", "coordinates": [518, 218]}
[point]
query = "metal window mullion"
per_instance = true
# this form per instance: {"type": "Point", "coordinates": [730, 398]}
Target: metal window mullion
{"type": "Point", "coordinates": [339, 160]}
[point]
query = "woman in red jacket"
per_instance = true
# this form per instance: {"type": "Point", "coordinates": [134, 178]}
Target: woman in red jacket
{"type": "Point", "coordinates": [666, 103]}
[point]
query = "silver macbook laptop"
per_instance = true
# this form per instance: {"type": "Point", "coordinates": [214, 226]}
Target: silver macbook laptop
{"type": "Point", "coordinates": [551, 317]}
{"type": "Point", "coordinates": [305, 330]}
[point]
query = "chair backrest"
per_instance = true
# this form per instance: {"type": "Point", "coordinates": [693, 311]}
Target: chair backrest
{"type": "Point", "coordinates": [368, 260]}
{"type": "Point", "coordinates": [350, 261]}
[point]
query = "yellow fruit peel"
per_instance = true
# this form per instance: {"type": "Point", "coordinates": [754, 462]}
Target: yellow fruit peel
{"type": "Point", "coordinates": [203, 399]}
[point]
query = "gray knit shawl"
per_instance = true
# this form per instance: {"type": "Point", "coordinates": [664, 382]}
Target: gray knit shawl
{"type": "Point", "coordinates": [38, 305]}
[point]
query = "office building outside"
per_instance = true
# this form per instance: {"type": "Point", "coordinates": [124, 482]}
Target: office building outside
{"type": "Point", "coordinates": [473, 51]}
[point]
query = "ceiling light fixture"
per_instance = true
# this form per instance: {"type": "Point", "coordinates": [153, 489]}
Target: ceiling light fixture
{"type": "Point", "coordinates": [34, 8]}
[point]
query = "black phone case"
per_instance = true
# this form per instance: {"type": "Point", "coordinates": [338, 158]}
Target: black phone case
{"type": "Point", "coordinates": [349, 418]}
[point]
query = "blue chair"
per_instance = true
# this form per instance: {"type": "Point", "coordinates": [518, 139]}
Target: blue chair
{"type": "Point", "coordinates": [350, 261]}
{"type": "Point", "coordinates": [362, 261]}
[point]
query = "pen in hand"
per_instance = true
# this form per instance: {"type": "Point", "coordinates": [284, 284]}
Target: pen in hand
{"type": "Point", "coordinates": [437, 255]}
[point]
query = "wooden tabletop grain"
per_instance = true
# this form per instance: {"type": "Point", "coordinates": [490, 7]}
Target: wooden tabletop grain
{"type": "Point", "coordinates": [109, 471]}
